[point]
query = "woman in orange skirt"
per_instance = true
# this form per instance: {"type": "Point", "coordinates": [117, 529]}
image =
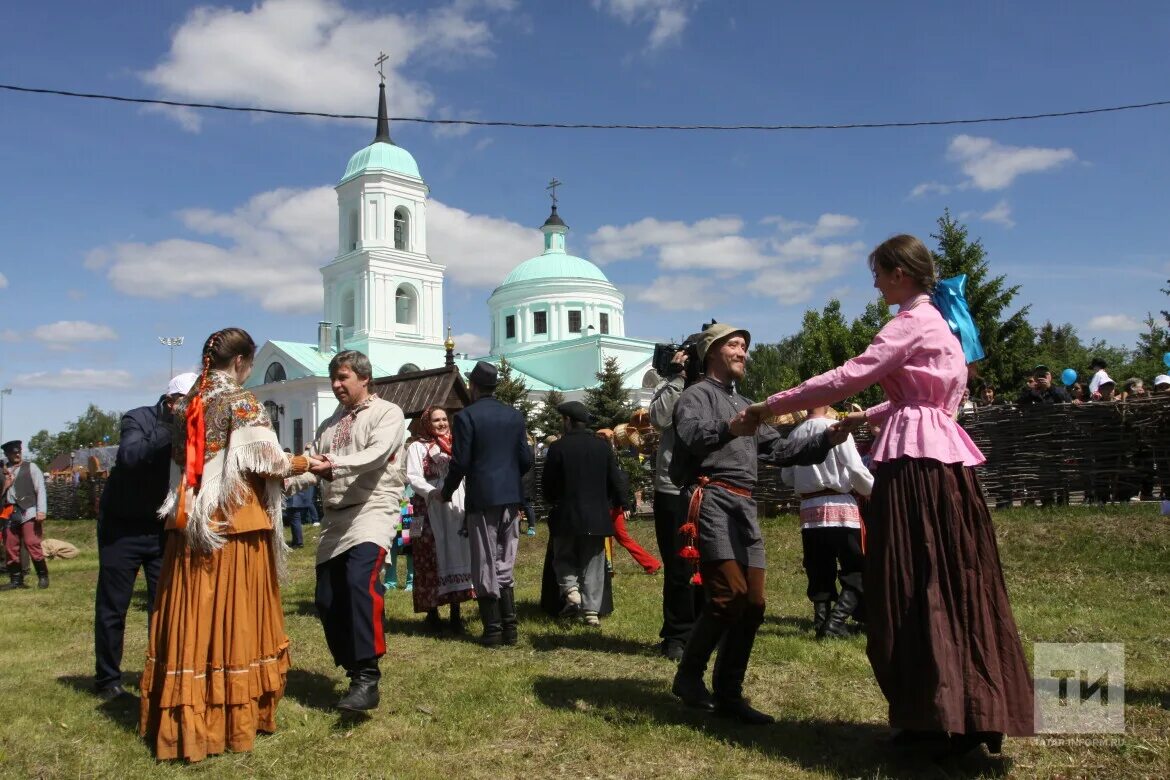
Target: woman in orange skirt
{"type": "Point", "coordinates": [218, 654]}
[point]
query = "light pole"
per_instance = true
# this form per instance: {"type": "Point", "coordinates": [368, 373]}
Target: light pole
{"type": "Point", "coordinates": [4, 392]}
{"type": "Point", "coordinates": [172, 342]}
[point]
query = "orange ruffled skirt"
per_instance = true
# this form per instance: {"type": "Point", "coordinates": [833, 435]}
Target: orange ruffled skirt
{"type": "Point", "coordinates": [218, 657]}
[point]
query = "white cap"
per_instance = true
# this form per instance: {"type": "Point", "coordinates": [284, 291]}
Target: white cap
{"type": "Point", "coordinates": [1161, 379]}
{"type": "Point", "coordinates": [181, 384]}
{"type": "Point", "coordinates": [1099, 379]}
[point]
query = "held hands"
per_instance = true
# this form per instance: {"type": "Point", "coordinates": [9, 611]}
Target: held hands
{"type": "Point", "coordinates": [321, 467]}
{"type": "Point", "coordinates": [746, 422]}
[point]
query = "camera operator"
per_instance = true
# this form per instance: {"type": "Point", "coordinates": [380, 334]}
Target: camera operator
{"type": "Point", "coordinates": [716, 460]}
{"type": "Point", "coordinates": [1042, 391]}
{"type": "Point", "coordinates": [680, 601]}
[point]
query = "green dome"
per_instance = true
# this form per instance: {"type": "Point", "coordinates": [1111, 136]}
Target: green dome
{"type": "Point", "coordinates": [381, 156]}
{"type": "Point", "coordinates": [554, 265]}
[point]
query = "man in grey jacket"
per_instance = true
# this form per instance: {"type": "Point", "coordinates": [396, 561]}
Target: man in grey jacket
{"type": "Point", "coordinates": [681, 601]}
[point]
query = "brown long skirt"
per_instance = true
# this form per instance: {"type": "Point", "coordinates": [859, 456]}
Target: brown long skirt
{"type": "Point", "coordinates": [218, 654]}
{"type": "Point", "coordinates": [942, 640]}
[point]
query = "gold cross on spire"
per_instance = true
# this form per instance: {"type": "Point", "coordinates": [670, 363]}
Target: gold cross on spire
{"type": "Point", "coordinates": [552, 188]}
{"type": "Point", "coordinates": [378, 64]}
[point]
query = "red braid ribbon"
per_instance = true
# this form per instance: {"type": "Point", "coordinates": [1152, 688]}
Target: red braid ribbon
{"type": "Point", "coordinates": [689, 530]}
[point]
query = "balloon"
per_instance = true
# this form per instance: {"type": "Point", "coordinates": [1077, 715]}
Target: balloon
{"type": "Point", "coordinates": [1166, 359]}
{"type": "Point", "coordinates": [1068, 376]}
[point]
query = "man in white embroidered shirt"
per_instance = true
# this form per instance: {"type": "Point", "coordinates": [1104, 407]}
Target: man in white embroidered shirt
{"type": "Point", "coordinates": [355, 462]}
{"type": "Point", "coordinates": [831, 526]}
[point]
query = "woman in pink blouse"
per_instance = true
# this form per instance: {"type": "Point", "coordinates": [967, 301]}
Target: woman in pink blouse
{"type": "Point", "coordinates": [941, 637]}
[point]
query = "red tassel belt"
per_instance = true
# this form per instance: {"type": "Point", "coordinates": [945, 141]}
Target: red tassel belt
{"type": "Point", "coordinates": [689, 530]}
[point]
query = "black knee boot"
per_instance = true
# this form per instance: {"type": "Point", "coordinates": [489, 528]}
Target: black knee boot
{"type": "Point", "coordinates": [456, 619]}
{"type": "Point", "coordinates": [731, 666]}
{"type": "Point", "coordinates": [844, 607]}
{"type": "Point", "coordinates": [363, 686]}
{"type": "Point", "coordinates": [688, 680]}
{"type": "Point", "coordinates": [508, 623]}
{"type": "Point", "coordinates": [820, 616]}
{"type": "Point", "coordinates": [493, 629]}
{"type": "Point", "coordinates": [15, 578]}
{"type": "Point", "coordinates": [42, 573]}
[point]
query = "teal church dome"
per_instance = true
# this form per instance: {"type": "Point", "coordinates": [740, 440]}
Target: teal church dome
{"type": "Point", "coordinates": [554, 265]}
{"type": "Point", "coordinates": [383, 155]}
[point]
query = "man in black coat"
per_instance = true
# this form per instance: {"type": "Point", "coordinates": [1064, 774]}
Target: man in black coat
{"type": "Point", "coordinates": [490, 449]}
{"type": "Point", "coordinates": [130, 534]}
{"type": "Point", "coordinates": [581, 483]}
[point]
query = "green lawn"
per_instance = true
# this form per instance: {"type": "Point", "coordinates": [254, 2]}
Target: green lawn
{"type": "Point", "coordinates": [575, 703]}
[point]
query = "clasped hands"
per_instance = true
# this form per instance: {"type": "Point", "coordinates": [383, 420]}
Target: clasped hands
{"type": "Point", "coordinates": [746, 422]}
{"type": "Point", "coordinates": [314, 464]}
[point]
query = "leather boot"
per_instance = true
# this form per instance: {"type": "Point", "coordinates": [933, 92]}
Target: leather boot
{"type": "Point", "coordinates": [15, 578]}
{"type": "Point", "coordinates": [820, 616]}
{"type": "Point", "coordinates": [836, 627]}
{"type": "Point", "coordinates": [730, 668]}
{"type": "Point", "coordinates": [42, 574]}
{"type": "Point", "coordinates": [493, 629]}
{"type": "Point", "coordinates": [363, 687]}
{"type": "Point", "coordinates": [688, 680]}
{"type": "Point", "coordinates": [510, 634]}
{"type": "Point", "coordinates": [456, 619]}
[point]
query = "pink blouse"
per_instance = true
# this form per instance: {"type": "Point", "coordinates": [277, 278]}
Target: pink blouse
{"type": "Point", "coordinates": [920, 364]}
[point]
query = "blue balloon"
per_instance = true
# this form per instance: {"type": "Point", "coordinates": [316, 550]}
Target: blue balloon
{"type": "Point", "coordinates": [1166, 359]}
{"type": "Point", "coordinates": [1068, 376]}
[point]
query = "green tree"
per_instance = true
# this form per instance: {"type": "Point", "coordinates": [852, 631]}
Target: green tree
{"type": "Point", "coordinates": [1007, 337]}
{"type": "Point", "coordinates": [547, 422]}
{"type": "Point", "coordinates": [608, 401]}
{"type": "Point", "coordinates": [771, 368]}
{"type": "Point", "coordinates": [513, 390]}
{"type": "Point", "coordinates": [1151, 346]}
{"type": "Point", "coordinates": [94, 428]}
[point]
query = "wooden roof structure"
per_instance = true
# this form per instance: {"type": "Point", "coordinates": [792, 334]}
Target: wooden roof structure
{"type": "Point", "coordinates": [414, 391]}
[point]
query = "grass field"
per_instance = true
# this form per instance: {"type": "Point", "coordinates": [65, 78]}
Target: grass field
{"type": "Point", "coordinates": [576, 703]}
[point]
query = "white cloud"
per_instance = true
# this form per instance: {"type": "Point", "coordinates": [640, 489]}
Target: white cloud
{"type": "Point", "coordinates": [77, 379]}
{"type": "Point", "coordinates": [681, 293]}
{"type": "Point", "coordinates": [1120, 322]}
{"type": "Point", "coordinates": [1000, 213]}
{"type": "Point", "coordinates": [787, 266]}
{"type": "Point", "coordinates": [668, 18]}
{"type": "Point", "coordinates": [471, 344]}
{"type": "Point", "coordinates": [478, 250]}
{"type": "Point", "coordinates": [3, 281]}
{"type": "Point", "coordinates": [928, 187]}
{"type": "Point", "coordinates": [66, 333]}
{"type": "Point", "coordinates": [315, 55]}
{"type": "Point", "coordinates": [994, 166]}
{"type": "Point", "coordinates": [270, 251]}
{"type": "Point", "coordinates": [10, 336]}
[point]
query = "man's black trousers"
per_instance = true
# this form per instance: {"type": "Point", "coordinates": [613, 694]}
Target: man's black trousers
{"type": "Point", "coordinates": [829, 554]}
{"type": "Point", "coordinates": [119, 558]}
{"type": "Point", "coordinates": [349, 603]}
{"type": "Point", "coordinates": [681, 601]}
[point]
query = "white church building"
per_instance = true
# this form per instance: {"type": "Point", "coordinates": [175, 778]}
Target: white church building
{"type": "Point", "coordinates": [555, 317]}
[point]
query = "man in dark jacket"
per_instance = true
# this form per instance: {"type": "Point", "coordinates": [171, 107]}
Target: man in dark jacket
{"type": "Point", "coordinates": [581, 483]}
{"type": "Point", "coordinates": [1042, 391]}
{"type": "Point", "coordinates": [130, 534]}
{"type": "Point", "coordinates": [490, 448]}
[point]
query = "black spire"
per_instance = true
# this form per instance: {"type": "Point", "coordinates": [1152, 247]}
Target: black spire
{"type": "Point", "coordinates": [554, 218]}
{"type": "Point", "coordinates": [383, 134]}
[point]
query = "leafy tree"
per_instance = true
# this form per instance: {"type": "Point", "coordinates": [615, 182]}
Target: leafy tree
{"type": "Point", "coordinates": [609, 402]}
{"type": "Point", "coordinates": [547, 421]}
{"type": "Point", "coordinates": [513, 390]}
{"type": "Point", "coordinates": [770, 369]}
{"type": "Point", "coordinates": [1152, 345]}
{"type": "Point", "coordinates": [1007, 338]}
{"type": "Point", "coordinates": [94, 428]}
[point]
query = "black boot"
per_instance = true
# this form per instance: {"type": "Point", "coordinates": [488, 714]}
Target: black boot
{"type": "Point", "coordinates": [42, 574]}
{"type": "Point", "coordinates": [456, 620]}
{"type": "Point", "coordinates": [433, 622]}
{"type": "Point", "coordinates": [363, 687]}
{"type": "Point", "coordinates": [844, 607]}
{"type": "Point", "coordinates": [730, 668]}
{"type": "Point", "coordinates": [688, 680]}
{"type": "Point", "coordinates": [508, 615]}
{"type": "Point", "coordinates": [493, 630]}
{"type": "Point", "coordinates": [820, 616]}
{"type": "Point", "coordinates": [15, 578]}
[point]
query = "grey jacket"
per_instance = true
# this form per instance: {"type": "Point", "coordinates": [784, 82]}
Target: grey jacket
{"type": "Point", "coordinates": [661, 417]}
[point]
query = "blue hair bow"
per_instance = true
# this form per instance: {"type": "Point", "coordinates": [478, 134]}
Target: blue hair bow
{"type": "Point", "coordinates": [950, 299]}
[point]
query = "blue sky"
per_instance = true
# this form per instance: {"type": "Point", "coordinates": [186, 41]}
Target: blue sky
{"type": "Point", "coordinates": [121, 224]}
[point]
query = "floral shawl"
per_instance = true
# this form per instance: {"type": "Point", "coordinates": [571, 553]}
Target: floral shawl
{"type": "Point", "coordinates": [238, 440]}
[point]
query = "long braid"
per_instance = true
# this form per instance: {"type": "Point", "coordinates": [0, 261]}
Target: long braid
{"type": "Point", "coordinates": [196, 423]}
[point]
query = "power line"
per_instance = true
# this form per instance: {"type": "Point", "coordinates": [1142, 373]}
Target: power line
{"type": "Point", "coordinates": [589, 125]}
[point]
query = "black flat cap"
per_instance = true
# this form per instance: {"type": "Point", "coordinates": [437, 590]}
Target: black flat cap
{"type": "Point", "coordinates": [575, 410]}
{"type": "Point", "coordinates": [484, 374]}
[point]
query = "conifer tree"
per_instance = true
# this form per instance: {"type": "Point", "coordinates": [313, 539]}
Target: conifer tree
{"type": "Point", "coordinates": [609, 402]}
{"type": "Point", "coordinates": [547, 422]}
{"type": "Point", "coordinates": [513, 390]}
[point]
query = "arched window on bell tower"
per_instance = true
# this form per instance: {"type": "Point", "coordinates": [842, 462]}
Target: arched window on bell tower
{"type": "Point", "coordinates": [406, 306]}
{"type": "Point", "coordinates": [401, 229]}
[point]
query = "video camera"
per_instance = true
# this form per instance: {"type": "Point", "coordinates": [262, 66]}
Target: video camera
{"type": "Point", "coordinates": [663, 360]}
